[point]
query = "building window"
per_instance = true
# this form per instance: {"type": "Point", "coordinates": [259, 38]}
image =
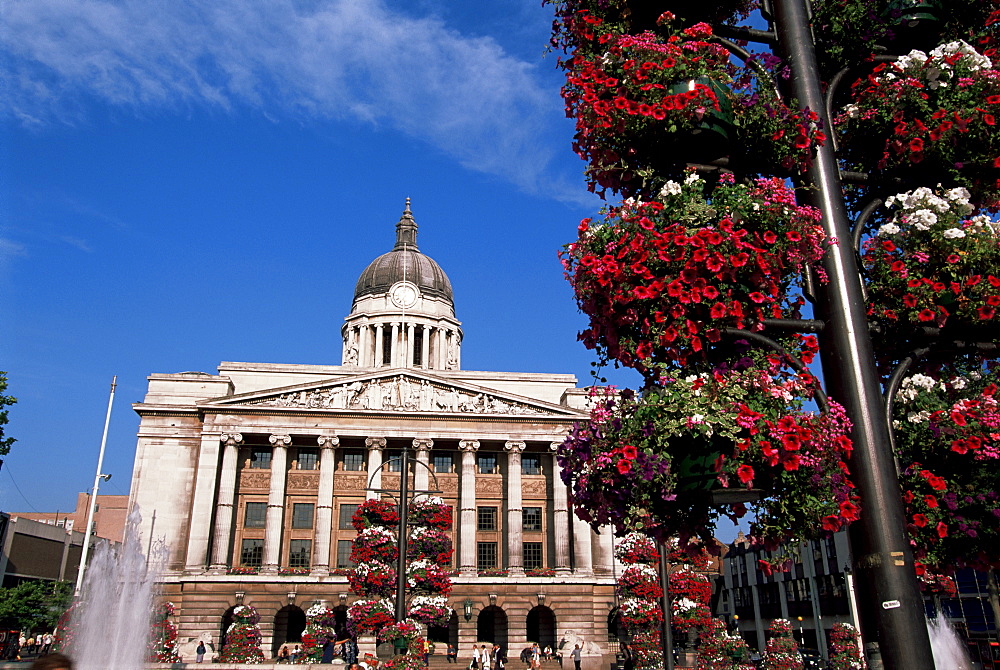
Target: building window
{"type": "Point", "coordinates": [344, 554]}
{"type": "Point", "coordinates": [298, 553]}
{"type": "Point", "coordinates": [418, 347]}
{"type": "Point", "coordinates": [531, 464]}
{"type": "Point", "coordinates": [252, 553]}
{"type": "Point", "coordinates": [487, 464]}
{"type": "Point", "coordinates": [531, 518]}
{"type": "Point", "coordinates": [256, 515]}
{"type": "Point", "coordinates": [486, 555]}
{"type": "Point", "coordinates": [260, 458]}
{"type": "Point", "coordinates": [386, 346]}
{"type": "Point", "coordinates": [302, 515]}
{"type": "Point", "coordinates": [308, 459]}
{"type": "Point", "coordinates": [532, 555]}
{"type": "Point", "coordinates": [394, 462]}
{"type": "Point", "coordinates": [354, 461]}
{"type": "Point", "coordinates": [442, 462]}
{"type": "Point", "coordinates": [486, 518]}
{"type": "Point", "coordinates": [346, 514]}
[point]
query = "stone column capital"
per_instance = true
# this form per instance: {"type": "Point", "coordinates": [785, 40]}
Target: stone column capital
{"type": "Point", "coordinates": [328, 441]}
{"type": "Point", "coordinates": [281, 440]}
{"type": "Point", "coordinates": [468, 445]}
{"type": "Point", "coordinates": [513, 447]}
{"type": "Point", "coordinates": [555, 444]}
{"type": "Point", "coordinates": [375, 443]}
{"type": "Point", "coordinates": [423, 444]}
{"type": "Point", "coordinates": [231, 439]}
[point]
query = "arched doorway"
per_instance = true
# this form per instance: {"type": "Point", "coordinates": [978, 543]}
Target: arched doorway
{"type": "Point", "coordinates": [289, 623]}
{"type": "Point", "coordinates": [541, 627]}
{"type": "Point", "coordinates": [227, 620]}
{"type": "Point", "coordinates": [444, 635]}
{"type": "Point", "coordinates": [491, 626]}
{"type": "Point", "coordinates": [340, 612]}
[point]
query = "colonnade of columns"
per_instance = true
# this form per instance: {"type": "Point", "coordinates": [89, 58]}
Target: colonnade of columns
{"type": "Point", "coordinates": [364, 345]}
{"type": "Point", "coordinates": [218, 535]}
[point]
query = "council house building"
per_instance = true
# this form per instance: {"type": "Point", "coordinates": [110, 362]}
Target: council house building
{"type": "Point", "coordinates": [250, 476]}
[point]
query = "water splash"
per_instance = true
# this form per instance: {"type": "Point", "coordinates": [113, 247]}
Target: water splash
{"type": "Point", "coordinates": [949, 650]}
{"type": "Point", "coordinates": [111, 619]}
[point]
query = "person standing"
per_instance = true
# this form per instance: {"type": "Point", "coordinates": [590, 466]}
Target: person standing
{"type": "Point", "coordinates": [426, 650]}
{"type": "Point", "coordinates": [576, 657]}
{"type": "Point", "coordinates": [474, 663]}
{"type": "Point", "coordinates": [199, 653]}
{"type": "Point", "coordinates": [484, 657]}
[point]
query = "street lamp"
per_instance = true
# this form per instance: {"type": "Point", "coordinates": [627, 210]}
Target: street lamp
{"type": "Point", "coordinates": [467, 609]}
{"type": "Point", "coordinates": [802, 633]}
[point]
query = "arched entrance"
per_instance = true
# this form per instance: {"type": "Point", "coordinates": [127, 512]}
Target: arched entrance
{"type": "Point", "coordinates": [491, 626]}
{"type": "Point", "coordinates": [445, 635]}
{"type": "Point", "coordinates": [227, 620]}
{"type": "Point", "coordinates": [541, 627]}
{"type": "Point", "coordinates": [340, 611]}
{"type": "Point", "coordinates": [289, 623]}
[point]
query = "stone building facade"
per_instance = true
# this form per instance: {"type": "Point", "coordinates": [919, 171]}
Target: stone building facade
{"type": "Point", "coordinates": [250, 476]}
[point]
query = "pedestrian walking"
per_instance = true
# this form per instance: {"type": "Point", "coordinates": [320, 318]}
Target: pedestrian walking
{"type": "Point", "coordinates": [474, 663]}
{"type": "Point", "coordinates": [484, 658]}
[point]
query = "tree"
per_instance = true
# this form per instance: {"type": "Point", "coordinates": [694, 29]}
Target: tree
{"type": "Point", "coordinates": [5, 400]}
{"type": "Point", "coordinates": [34, 605]}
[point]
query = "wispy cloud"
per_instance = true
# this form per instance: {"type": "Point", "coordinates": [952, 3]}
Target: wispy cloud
{"type": "Point", "coordinates": [352, 60]}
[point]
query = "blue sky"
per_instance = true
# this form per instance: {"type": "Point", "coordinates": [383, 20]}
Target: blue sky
{"type": "Point", "coordinates": [185, 183]}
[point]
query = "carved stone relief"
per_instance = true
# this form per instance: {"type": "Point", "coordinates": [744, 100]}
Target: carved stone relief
{"type": "Point", "coordinates": [399, 393]}
{"type": "Point", "coordinates": [303, 481]}
{"type": "Point", "coordinates": [343, 482]}
{"type": "Point", "coordinates": [489, 487]}
{"type": "Point", "coordinates": [255, 480]}
{"type": "Point", "coordinates": [533, 487]}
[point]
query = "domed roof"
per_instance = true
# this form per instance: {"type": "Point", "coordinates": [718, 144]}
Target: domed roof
{"type": "Point", "coordinates": [405, 263]}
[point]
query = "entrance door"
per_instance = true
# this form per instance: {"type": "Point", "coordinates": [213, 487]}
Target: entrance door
{"type": "Point", "coordinates": [541, 627]}
{"type": "Point", "coordinates": [491, 626]}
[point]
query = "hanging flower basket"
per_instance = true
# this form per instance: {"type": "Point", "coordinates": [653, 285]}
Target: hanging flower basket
{"type": "Point", "coordinates": [621, 465]}
{"type": "Point", "coordinates": [320, 626]}
{"type": "Point", "coordinates": [243, 637]}
{"type": "Point", "coordinates": [718, 649]}
{"type": "Point", "coordinates": [427, 542]}
{"type": "Point", "coordinates": [932, 262]}
{"type": "Point", "coordinates": [375, 513]}
{"type": "Point", "coordinates": [660, 280]}
{"type": "Point", "coordinates": [427, 578]}
{"type": "Point", "coordinates": [431, 512]}
{"type": "Point", "coordinates": [637, 548]}
{"type": "Point", "coordinates": [691, 594]}
{"type": "Point", "coordinates": [931, 115]}
{"type": "Point", "coordinates": [370, 616]}
{"type": "Point", "coordinates": [845, 652]}
{"type": "Point", "coordinates": [430, 610]}
{"type": "Point", "coordinates": [373, 579]}
{"type": "Point", "coordinates": [640, 614]}
{"type": "Point", "coordinates": [375, 543]}
{"type": "Point", "coordinates": [639, 581]}
{"type": "Point", "coordinates": [403, 631]}
{"type": "Point", "coordinates": [947, 435]}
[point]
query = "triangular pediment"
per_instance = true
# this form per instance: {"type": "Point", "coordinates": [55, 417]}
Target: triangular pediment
{"type": "Point", "coordinates": [397, 391]}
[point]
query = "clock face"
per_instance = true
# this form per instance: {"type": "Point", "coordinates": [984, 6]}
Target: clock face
{"type": "Point", "coordinates": [404, 294]}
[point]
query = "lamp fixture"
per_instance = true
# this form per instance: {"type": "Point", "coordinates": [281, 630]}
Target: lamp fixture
{"type": "Point", "coordinates": [467, 609]}
{"type": "Point", "coordinates": [541, 598]}
{"type": "Point", "coordinates": [239, 597]}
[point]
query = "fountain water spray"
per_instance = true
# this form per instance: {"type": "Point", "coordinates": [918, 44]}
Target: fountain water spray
{"type": "Point", "coordinates": [949, 650]}
{"type": "Point", "coordinates": [112, 615]}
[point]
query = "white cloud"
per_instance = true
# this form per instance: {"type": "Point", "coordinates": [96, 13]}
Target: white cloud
{"type": "Point", "coordinates": [352, 60]}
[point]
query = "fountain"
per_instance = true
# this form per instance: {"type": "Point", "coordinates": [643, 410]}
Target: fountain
{"type": "Point", "coordinates": [111, 619]}
{"type": "Point", "coordinates": [949, 651]}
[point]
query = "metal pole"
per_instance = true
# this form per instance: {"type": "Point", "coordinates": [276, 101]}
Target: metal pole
{"type": "Point", "coordinates": [892, 612]}
{"type": "Point", "coordinates": [93, 497]}
{"type": "Point", "coordinates": [666, 606]}
{"type": "Point", "coordinates": [404, 473]}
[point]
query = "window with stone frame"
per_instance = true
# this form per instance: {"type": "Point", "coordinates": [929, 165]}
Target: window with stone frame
{"type": "Point", "coordinates": [260, 458]}
{"type": "Point", "coordinates": [255, 515]}
{"type": "Point", "coordinates": [299, 553]}
{"type": "Point", "coordinates": [252, 553]}
{"type": "Point", "coordinates": [302, 515]}
{"type": "Point", "coordinates": [354, 461]}
{"type": "Point", "coordinates": [531, 464]}
{"type": "Point", "coordinates": [344, 554]}
{"type": "Point", "coordinates": [443, 463]}
{"type": "Point", "coordinates": [532, 556]}
{"type": "Point", "coordinates": [347, 511]}
{"type": "Point", "coordinates": [487, 464]}
{"type": "Point", "coordinates": [393, 461]}
{"type": "Point", "coordinates": [531, 518]}
{"type": "Point", "coordinates": [308, 458]}
{"type": "Point", "coordinates": [486, 555]}
{"type": "Point", "coordinates": [486, 518]}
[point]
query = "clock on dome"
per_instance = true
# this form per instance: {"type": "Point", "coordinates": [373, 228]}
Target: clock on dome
{"type": "Point", "coordinates": [404, 294]}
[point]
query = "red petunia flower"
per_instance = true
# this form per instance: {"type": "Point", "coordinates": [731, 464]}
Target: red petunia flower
{"type": "Point", "coordinates": [942, 529]}
{"type": "Point", "coordinates": [745, 473]}
{"type": "Point", "coordinates": [624, 466]}
{"type": "Point", "coordinates": [919, 520]}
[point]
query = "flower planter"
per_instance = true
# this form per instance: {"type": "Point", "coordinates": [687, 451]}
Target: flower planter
{"type": "Point", "coordinates": [712, 134]}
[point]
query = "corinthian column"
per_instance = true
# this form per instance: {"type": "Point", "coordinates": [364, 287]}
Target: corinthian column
{"type": "Point", "coordinates": [560, 514]}
{"type": "Point", "coordinates": [409, 346]}
{"type": "Point", "coordinates": [515, 534]}
{"type": "Point", "coordinates": [394, 347]}
{"type": "Point", "coordinates": [421, 473]}
{"type": "Point", "coordinates": [375, 446]}
{"type": "Point", "coordinates": [467, 530]}
{"type": "Point", "coordinates": [425, 348]}
{"type": "Point", "coordinates": [275, 503]}
{"type": "Point", "coordinates": [200, 531]}
{"type": "Point", "coordinates": [324, 504]}
{"type": "Point", "coordinates": [224, 503]}
{"type": "Point", "coordinates": [379, 342]}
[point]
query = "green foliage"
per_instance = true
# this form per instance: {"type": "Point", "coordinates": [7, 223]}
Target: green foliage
{"type": "Point", "coordinates": [5, 400]}
{"type": "Point", "coordinates": [34, 605]}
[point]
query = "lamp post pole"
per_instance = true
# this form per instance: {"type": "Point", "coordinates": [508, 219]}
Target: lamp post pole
{"type": "Point", "coordinates": [93, 496]}
{"type": "Point", "coordinates": [892, 613]}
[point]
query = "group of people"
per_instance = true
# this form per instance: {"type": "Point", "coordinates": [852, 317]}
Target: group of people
{"type": "Point", "coordinates": [486, 659]}
{"type": "Point", "coordinates": [30, 645]}
{"type": "Point", "coordinates": [533, 656]}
